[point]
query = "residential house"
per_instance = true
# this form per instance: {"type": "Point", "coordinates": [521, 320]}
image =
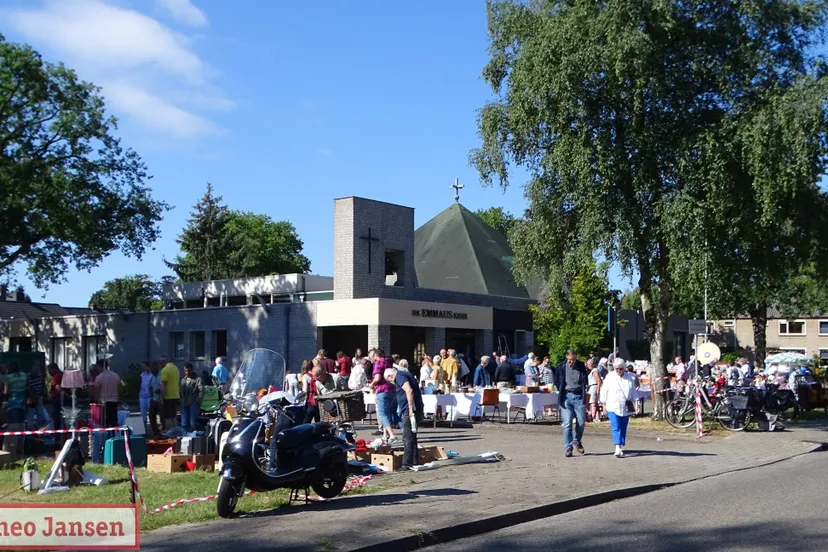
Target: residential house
{"type": "Point", "coordinates": [807, 334]}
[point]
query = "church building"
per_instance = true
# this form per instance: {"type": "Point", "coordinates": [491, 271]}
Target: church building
{"type": "Point", "coordinates": [448, 284]}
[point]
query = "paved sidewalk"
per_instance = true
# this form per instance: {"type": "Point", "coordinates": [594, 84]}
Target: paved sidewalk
{"type": "Point", "coordinates": [535, 473]}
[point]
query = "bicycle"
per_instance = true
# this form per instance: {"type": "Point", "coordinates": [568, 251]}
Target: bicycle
{"type": "Point", "coordinates": [681, 412]}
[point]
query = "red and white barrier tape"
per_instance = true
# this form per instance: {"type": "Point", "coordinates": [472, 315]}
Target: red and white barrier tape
{"type": "Point", "coordinates": [132, 475]}
{"type": "Point", "coordinates": [183, 501]}
{"type": "Point", "coordinates": [54, 431]}
{"type": "Point", "coordinates": [699, 420]}
{"type": "Point", "coordinates": [352, 484]}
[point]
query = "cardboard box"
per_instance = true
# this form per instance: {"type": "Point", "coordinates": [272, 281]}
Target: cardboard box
{"type": "Point", "coordinates": [160, 446]}
{"type": "Point", "coordinates": [167, 464]}
{"type": "Point", "coordinates": [205, 462]}
{"type": "Point", "coordinates": [387, 462]}
{"type": "Point", "coordinates": [362, 456]}
{"type": "Point", "coordinates": [430, 454]}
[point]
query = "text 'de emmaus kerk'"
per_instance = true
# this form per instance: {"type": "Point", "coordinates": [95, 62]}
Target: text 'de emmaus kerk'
{"type": "Point", "coordinates": [433, 313]}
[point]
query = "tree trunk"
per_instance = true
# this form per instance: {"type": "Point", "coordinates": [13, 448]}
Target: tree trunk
{"type": "Point", "coordinates": [655, 320]}
{"type": "Point", "coordinates": [759, 318]}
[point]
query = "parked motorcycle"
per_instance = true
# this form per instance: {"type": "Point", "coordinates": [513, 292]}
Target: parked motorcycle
{"type": "Point", "coordinates": [309, 456]}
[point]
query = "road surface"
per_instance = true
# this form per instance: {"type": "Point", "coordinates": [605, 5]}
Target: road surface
{"type": "Point", "coordinates": [778, 508]}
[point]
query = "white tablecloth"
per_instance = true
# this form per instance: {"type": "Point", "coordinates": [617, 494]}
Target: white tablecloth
{"type": "Point", "coordinates": [534, 403]}
{"type": "Point", "coordinates": [456, 405]}
{"type": "Point", "coordinates": [370, 400]}
{"type": "Point", "coordinates": [466, 404]}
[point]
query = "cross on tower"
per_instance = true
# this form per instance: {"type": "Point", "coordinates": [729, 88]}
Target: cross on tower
{"type": "Point", "coordinates": [457, 187]}
{"type": "Point", "coordinates": [370, 239]}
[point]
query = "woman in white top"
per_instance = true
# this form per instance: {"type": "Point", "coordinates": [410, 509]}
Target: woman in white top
{"type": "Point", "coordinates": [425, 371]}
{"type": "Point", "coordinates": [359, 377]}
{"type": "Point", "coordinates": [618, 388]}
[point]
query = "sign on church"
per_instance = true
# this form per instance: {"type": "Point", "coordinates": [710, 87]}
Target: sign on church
{"type": "Point", "coordinates": [433, 313]}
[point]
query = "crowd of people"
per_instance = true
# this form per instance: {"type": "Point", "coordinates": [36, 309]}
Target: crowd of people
{"type": "Point", "coordinates": [587, 390]}
{"type": "Point", "coordinates": [34, 399]}
{"type": "Point", "coordinates": [398, 393]}
{"type": "Point", "coordinates": [608, 385]}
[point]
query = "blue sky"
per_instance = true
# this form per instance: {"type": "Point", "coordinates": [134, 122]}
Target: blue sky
{"type": "Point", "coordinates": [281, 106]}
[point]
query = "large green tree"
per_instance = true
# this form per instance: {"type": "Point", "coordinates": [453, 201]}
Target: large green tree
{"type": "Point", "coordinates": [206, 245]}
{"type": "Point", "coordinates": [614, 108]}
{"type": "Point", "coordinates": [218, 243]}
{"type": "Point", "coordinates": [498, 218]}
{"type": "Point", "coordinates": [760, 217]}
{"type": "Point", "coordinates": [131, 293]}
{"type": "Point", "coordinates": [577, 317]}
{"type": "Point", "coordinates": [70, 194]}
{"type": "Point", "coordinates": [265, 246]}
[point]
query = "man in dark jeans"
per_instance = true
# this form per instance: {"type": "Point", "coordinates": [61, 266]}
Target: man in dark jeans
{"type": "Point", "coordinates": [56, 395]}
{"type": "Point", "coordinates": [410, 409]}
{"type": "Point", "coordinates": [571, 381]}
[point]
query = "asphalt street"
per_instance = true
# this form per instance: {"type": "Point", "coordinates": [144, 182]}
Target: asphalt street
{"type": "Point", "coordinates": [775, 508]}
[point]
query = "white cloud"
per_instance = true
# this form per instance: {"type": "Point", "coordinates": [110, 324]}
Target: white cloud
{"type": "Point", "coordinates": [156, 112]}
{"type": "Point", "coordinates": [91, 30]}
{"type": "Point", "coordinates": [148, 71]}
{"type": "Point", "coordinates": [205, 98]}
{"type": "Point", "coordinates": [184, 11]}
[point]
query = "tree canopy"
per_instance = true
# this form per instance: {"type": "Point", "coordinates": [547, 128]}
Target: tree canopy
{"type": "Point", "coordinates": [71, 194]}
{"type": "Point", "coordinates": [131, 293]}
{"type": "Point", "coordinates": [498, 218]}
{"type": "Point", "coordinates": [206, 244]}
{"type": "Point", "coordinates": [218, 243]}
{"type": "Point", "coordinates": [266, 246]}
{"type": "Point", "coordinates": [579, 321]}
{"type": "Point", "coordinates": [635, 118]}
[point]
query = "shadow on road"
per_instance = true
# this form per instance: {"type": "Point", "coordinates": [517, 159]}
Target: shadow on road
{"type": "Point", "coordinates": [358, 501]}
{"type": "Point", "coordinates": [663, 538]}
{"type": "Point", "coordinates": [449, 439]}
{"type": "Point", "coordinates": [633, 453]}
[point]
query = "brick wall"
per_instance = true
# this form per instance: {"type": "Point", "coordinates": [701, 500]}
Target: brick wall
{"type": "Point", "coordinates": [380, 337]}
{"type": "Point", "coordinates": [391, 227]}
{"type": "Point", "coordinates": [483, 342]}
{"type": "Point", "coordinates": [435, 340]}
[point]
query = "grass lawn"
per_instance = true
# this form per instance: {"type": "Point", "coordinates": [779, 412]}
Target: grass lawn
{"type": "Point", "coordinates": [648, 424]}
{"type": "Point", "coordinates": [157, 490]}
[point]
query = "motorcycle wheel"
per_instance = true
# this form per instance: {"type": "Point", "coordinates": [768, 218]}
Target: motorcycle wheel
{"type": "Point", "coordinates": [329, 482]}
{"type": "Point", "coordinates": [227, 498]}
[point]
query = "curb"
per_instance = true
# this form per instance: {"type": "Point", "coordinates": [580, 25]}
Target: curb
{"type": "Point", "coordinates": [495, 523]}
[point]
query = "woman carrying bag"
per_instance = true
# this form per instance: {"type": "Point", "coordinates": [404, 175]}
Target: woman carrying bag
{"type": "Point", "coordinates": [618, 395]}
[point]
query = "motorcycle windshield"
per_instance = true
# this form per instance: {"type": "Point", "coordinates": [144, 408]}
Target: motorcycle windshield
{"type": "Point", "coordinates": [260, 369]}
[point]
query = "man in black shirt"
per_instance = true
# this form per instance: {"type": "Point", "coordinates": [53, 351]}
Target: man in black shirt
{"type": "Point", "coordinates": [410, 409]}
{"type": "Point", "coordinates": [571, 381]}
{"type": "Point", "coordinates": [504, 374]}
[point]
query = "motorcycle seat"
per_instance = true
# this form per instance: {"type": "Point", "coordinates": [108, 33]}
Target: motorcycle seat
{"type": "Point", "coordinates": [295, 435]}
{"type": "Point", "coordinates": [320, 428]}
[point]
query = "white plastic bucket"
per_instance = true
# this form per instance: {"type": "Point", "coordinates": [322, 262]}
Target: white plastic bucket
{"type": "Point", "coordinates": [30, 481]}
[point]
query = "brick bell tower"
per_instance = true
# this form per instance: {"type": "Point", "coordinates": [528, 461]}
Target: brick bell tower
{"type": "Point", "coordinates": [373, 249]}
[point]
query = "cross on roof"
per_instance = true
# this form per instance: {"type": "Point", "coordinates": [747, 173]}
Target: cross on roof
{"type": "Point", "coordinates": [457, 187]}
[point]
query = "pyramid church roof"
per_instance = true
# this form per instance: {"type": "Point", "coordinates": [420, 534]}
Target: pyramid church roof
{"type": "Point", "coordinates": [457, 251]}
